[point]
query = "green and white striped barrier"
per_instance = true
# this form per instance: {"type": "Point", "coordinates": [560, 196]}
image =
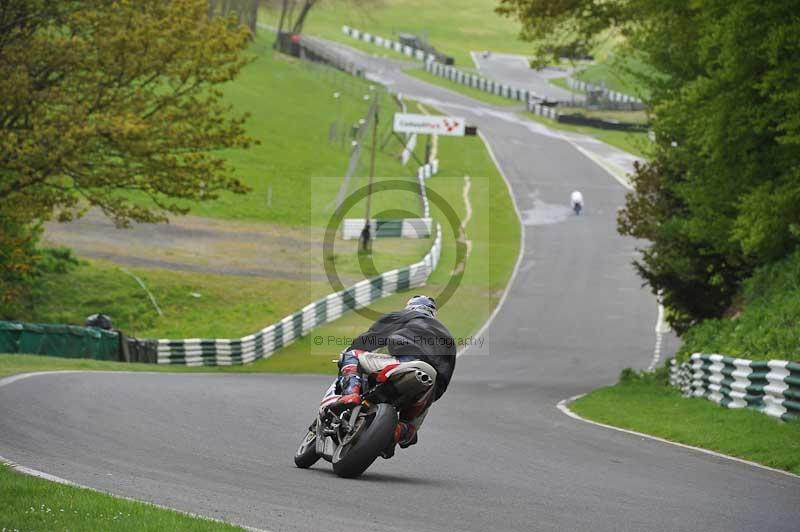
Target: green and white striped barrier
{"type": "Point", "coordinates": [771, 387]}
{"type": "Point", "coordinates": [543, 110]}
{"type": "Point", "coordinates": [225, 352]}
{"type": "Point", "coordinates": [480, 83]}
{"type": "Point", "coordinates": [388, 44]}
{"type": "Point", "coordinates": [614, 96]}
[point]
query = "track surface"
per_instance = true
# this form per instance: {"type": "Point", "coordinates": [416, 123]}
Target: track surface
{"type": "Point", "coordinates": [495, 453]}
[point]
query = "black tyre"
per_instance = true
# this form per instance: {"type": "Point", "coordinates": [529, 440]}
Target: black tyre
{"type": "Point", "coordinates": [306, 454]}
{"type": "Point", "coordinates": [373, 436]}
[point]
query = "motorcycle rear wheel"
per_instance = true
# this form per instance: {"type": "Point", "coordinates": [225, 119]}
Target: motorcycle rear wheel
{"type": "Point", "coordinates": [354, 457]}
{"type": "Point", "coordinates": [306, 454]}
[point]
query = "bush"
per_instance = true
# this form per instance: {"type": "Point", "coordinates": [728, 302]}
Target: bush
{"type": "Point", "coordinates": [766, 324]}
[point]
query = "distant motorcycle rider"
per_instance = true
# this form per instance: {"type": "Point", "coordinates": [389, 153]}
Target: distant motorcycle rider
{"type": "Point", "coordinates": [576, 199]}
{"type": "Point", "coordinates": [413, 337]}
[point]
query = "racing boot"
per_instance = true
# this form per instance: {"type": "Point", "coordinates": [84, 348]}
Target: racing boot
{"type": "Point", "coordinates": [351, 389]}
{"type": "Point", "coordinates": [405, 434]}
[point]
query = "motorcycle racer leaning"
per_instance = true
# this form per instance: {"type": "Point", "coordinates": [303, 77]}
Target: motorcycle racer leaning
{"type": "Point", "coordinates": [413, 337]}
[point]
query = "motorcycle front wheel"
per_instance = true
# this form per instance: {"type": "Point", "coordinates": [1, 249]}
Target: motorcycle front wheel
{"type": "Point", "coordinates": [306, 454]}
{"type": "Point", "coordinates": [374, 433]}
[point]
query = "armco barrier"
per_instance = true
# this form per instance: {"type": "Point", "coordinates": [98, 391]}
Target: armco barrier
{"type": "Point", "coordinates": [313, 50]}
{"type": "Point", "coordinates": [388, 44]}
{"type": "Point", "coordinates": [482, 84]}
{"type": "Point", "coordinates": [771, 387]}
{"type": "Point", "coordinates": [219, 352]}
{"type": "Point", "coordinates": [543, 110]}
{"type": "Point", "coordinates": [613, 96]}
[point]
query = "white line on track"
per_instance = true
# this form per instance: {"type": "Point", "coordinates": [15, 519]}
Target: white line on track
{"type": "Point", "coordinates": [563, 406]}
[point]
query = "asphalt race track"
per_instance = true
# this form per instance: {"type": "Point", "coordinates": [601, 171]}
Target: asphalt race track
{"type": "Point", "coordinates": [495, 453]}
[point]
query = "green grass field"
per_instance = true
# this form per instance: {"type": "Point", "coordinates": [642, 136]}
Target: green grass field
{"type": "Point", "coordinates": [647, 404]}
{"type": "Point", "coordinates": [452, 26]}
{"type": "Point", "coordinates": [228, 306]}
{"type": "Point", "coordinates": [293, 112]}
{"type": "Point", "coordinates": [28, 503]}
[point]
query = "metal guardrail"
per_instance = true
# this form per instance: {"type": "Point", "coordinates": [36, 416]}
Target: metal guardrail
{"type": "Point", "coordinates": [481, 83]}
{"type": "Point", "coordinates": [614, 96]}
{"type": "Point", "coordinates": [389, 44]}
{"type": "Point", "coordinates": [771, 387]}
{"type": "Point", "coordinates": [543, 110]}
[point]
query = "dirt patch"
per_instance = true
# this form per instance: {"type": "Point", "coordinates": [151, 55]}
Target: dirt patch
{"type": "Point", "coordinates": [192, 243]}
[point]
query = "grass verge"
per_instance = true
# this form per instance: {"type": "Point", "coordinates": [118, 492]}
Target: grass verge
{"type": "Point", "coordinates": [29, 503]}
{"type": "Point", "coordinates": [645, 403]}
{"type": "Point", "coordinates": [631, 142]}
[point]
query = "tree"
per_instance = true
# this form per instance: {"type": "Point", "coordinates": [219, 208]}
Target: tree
{"type": "Point", "coordinates": [287, 19]}
{"type": "Point", "coordinates": [245, 11]}
{"type": "Point", "coordinates": [287, 22]}
{"type": "Point", "coordinates": [114, 105]}
{"type": "Point", "coordinates": [719, 196]}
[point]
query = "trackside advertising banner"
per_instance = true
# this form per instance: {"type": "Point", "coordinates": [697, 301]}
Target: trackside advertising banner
{"type": "Point", "coordinates": [429, 125]}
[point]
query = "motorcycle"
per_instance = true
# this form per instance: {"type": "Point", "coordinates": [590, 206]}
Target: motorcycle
{"type": "Point", "coordinates": [352, 438]}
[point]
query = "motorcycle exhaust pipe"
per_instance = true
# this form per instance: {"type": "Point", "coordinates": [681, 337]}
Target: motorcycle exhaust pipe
{"type": "Point", "coordinates": [423, 378]}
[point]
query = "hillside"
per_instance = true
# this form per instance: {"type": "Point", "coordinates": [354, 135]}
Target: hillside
{"type": "Point", "coordinates": [452, 26]}
{"type": "Point", "coordinates": [764, 322]}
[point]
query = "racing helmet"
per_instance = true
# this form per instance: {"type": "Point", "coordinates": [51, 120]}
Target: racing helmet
{"type": "Point", "coordinates": [423, 304]}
